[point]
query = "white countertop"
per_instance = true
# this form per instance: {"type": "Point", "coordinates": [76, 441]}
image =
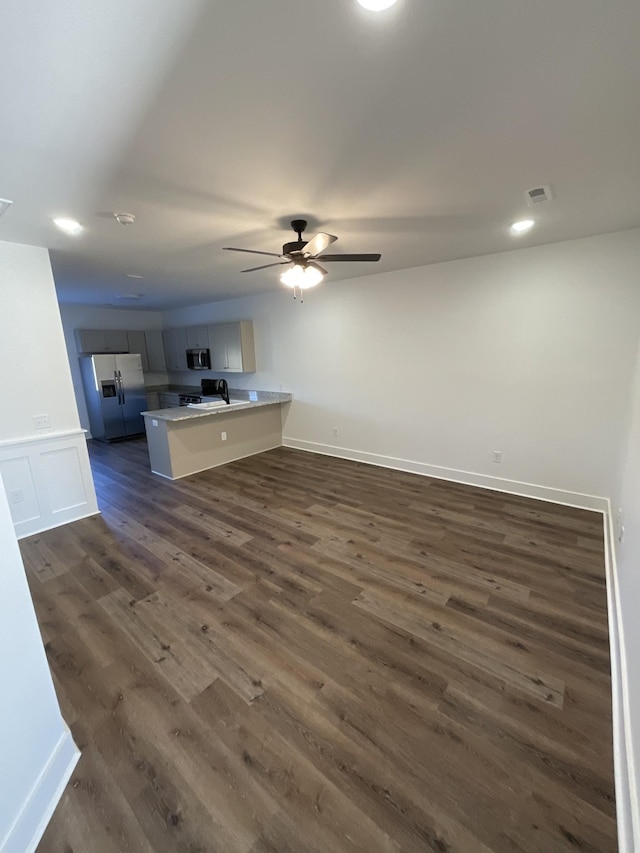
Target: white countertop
{"type": "Point", "coordinates": [186, 413]}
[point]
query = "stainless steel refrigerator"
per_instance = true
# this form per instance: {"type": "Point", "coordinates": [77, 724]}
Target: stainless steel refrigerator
{"type": "Point", "coordinates": [114, 390]}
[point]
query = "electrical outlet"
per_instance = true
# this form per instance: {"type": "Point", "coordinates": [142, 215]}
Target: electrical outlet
{"type": "Point", "coordinates": [497, 456]}
{"type": "Point", "coordinates": [16, 496]}
{"type": "Point", "coordinates": [223, 436]}
{"type": "Point", "coordinates": [335, 431]}
{"type": "Point", "coordinates": [253, 396]}
{"type": "Point", "coordinates": [42, 421]}
{"type": "Point", "coordinates": [154, 422]}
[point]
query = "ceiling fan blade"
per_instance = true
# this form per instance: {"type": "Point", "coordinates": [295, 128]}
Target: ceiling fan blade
{"type": "Point", "coordinates": [252, 252]}
{"type": "Point", "coordinates": [349, 257]}
{"type": "Point", "coordinates": [318, 244]}
{"type": "Point", "coordinates": [265, 266]}
{"type": "Point", "coordinates": [317, 266]}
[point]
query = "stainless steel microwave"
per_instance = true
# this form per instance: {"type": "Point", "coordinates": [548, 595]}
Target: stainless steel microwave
{"type": "Point", "coordinates": [198, 359]}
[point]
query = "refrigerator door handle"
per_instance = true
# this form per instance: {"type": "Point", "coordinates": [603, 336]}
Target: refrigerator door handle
{"type": "Point", "coordinates": [117, 384]}
{"type": "Point", "coordinates": [121, 387]}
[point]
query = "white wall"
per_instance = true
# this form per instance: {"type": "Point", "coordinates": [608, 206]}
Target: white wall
{"type": "Point", "coordinates": [529, 352]}
{"type": "Point", "coordinates": [628, 579]}
{"type": "Point", "coordinates": [45, 471]}
{"type": "Point", "coordinates": [35, 377]}
{"type": "Point", "coordinates": [37, 754]}
{"type": "Point", "coordinates": [36, 750]}
{"type": "Point", "coordinates": [90, 317]}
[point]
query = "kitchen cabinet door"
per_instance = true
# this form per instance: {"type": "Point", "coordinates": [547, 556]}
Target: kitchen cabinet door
{"type": "Point", "coordinates": [218, 346]}
{"type": "Point", "coordinates": [89, 340]}
{"type": "Point", "coordinates": [168, 400]}
{"type": "Point", "coordinates": [197, 337]}
{"type": "Point", "coordinates": [115, 340]}
{"type": "Point", "coordinates": [232, 348]}
{"type": "Point", "coordinates": [153, 401]}
{"type": "Point", "coordinates": [101, 340]}
{"type": "Point", "coordinates": [155, 351]}
{"type": "Point", "coordinates": [137, 342]}
{"type": "Point", "coordinates": [175, 348]}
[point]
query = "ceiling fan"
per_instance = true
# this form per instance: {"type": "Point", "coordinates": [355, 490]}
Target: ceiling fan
{"type": "Point", "coordinates": [302, 257]}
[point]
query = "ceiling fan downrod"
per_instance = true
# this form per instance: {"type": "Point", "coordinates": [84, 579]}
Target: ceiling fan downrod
{"type": "Point", "coordinates": [299, 225]}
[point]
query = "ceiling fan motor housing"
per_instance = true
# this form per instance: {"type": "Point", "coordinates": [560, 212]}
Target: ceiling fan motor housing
{"type": "Point", "coordinates": [296, 246]}
{"type": "Point", "coordinates": [293, 247]}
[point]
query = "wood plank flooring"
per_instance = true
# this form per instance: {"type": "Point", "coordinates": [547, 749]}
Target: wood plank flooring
{"type": "Point", "coordinates": [300, 653]}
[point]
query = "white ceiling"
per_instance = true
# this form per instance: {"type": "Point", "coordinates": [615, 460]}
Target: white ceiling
{"type": "Point", "coordinates": [412, 133]}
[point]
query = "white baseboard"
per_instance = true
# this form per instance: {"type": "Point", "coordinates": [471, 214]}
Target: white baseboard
{"type": "Point", "coordinates": [29, 826]}
{"type": "Point", "coordinates": [627, 803]}
{"type": "Point", "coordinates": [76, 517]}
{"type": "Point", "coordinates": [484, 481]}
{"type": "Point", "coordinates": [48, 480]}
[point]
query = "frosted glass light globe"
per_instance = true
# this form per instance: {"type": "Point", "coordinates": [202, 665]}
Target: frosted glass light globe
{"type": "Point", "coordinates": [301, 277]}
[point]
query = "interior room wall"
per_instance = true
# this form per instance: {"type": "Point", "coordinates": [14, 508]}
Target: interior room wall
{"type": "Point", "coordinates": [91, 317]}
{"type": "Point", "coordinates": [44, 463]}
{"type": "Point", "coordinates": [36, 377]}
{"type": "Point", "coordinates": [626, 515]}
{"type": "Point", "coordinates": [37, 753]}
{"type": "Point", "coordinates": [528, 352]}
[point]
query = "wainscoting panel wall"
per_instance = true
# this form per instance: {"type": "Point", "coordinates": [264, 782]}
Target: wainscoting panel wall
{"type": "Point", "coordinates": [48, 480]}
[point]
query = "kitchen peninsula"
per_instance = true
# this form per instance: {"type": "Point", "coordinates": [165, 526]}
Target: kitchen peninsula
{"type": "Point", "coordinates": [189, 439]}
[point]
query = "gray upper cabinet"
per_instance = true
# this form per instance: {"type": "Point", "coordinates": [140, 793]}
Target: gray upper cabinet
{"type": "Point", "coordinates": [175, 348]}
{"type": "Point", "coordinates": [148, 344]}
{"type": "Point", "coordinates": [138, 343]}
{"type": "Point", "coordinates": [155, 350]}
{"type": "Point", "coordinates": [197, 337]}
{"type": "Point", "coordinates": [101, 340]}
{"type": "Point", "coordinates": [232, 347]}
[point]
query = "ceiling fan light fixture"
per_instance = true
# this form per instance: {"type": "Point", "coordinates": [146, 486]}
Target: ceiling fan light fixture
{"type": "Point", "coordinates": [376, 5]}
{"type": "Point", "coordinates": [302, 277]}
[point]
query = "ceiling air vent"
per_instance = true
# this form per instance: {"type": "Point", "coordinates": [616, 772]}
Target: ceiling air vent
{"type": "Point", "coordinates": [537, 195]}
{"type": "Point", "coordinates": [5, 204]}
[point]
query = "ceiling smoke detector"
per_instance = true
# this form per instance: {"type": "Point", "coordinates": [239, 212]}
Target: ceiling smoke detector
{"type": "Point", "coordinates": [5, 204]}
{"type": "Point", "coordinates": [125, 218]}
{"type": "Point", "coordinates": [538, 195]}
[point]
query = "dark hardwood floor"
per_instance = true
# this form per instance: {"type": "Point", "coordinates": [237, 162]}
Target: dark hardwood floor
{"type": "Point", "coordinates": [300, 653]}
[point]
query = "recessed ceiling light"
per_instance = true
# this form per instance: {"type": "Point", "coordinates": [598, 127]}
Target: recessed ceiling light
{"type": "Point", "coordinates": [69, 226]}
{"type": "Point", "coordinates": [522, 226]}
{"type": "Point", "coordinates": [376, 5]}
{"type": "Point", "coordinates": [133, 275]}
